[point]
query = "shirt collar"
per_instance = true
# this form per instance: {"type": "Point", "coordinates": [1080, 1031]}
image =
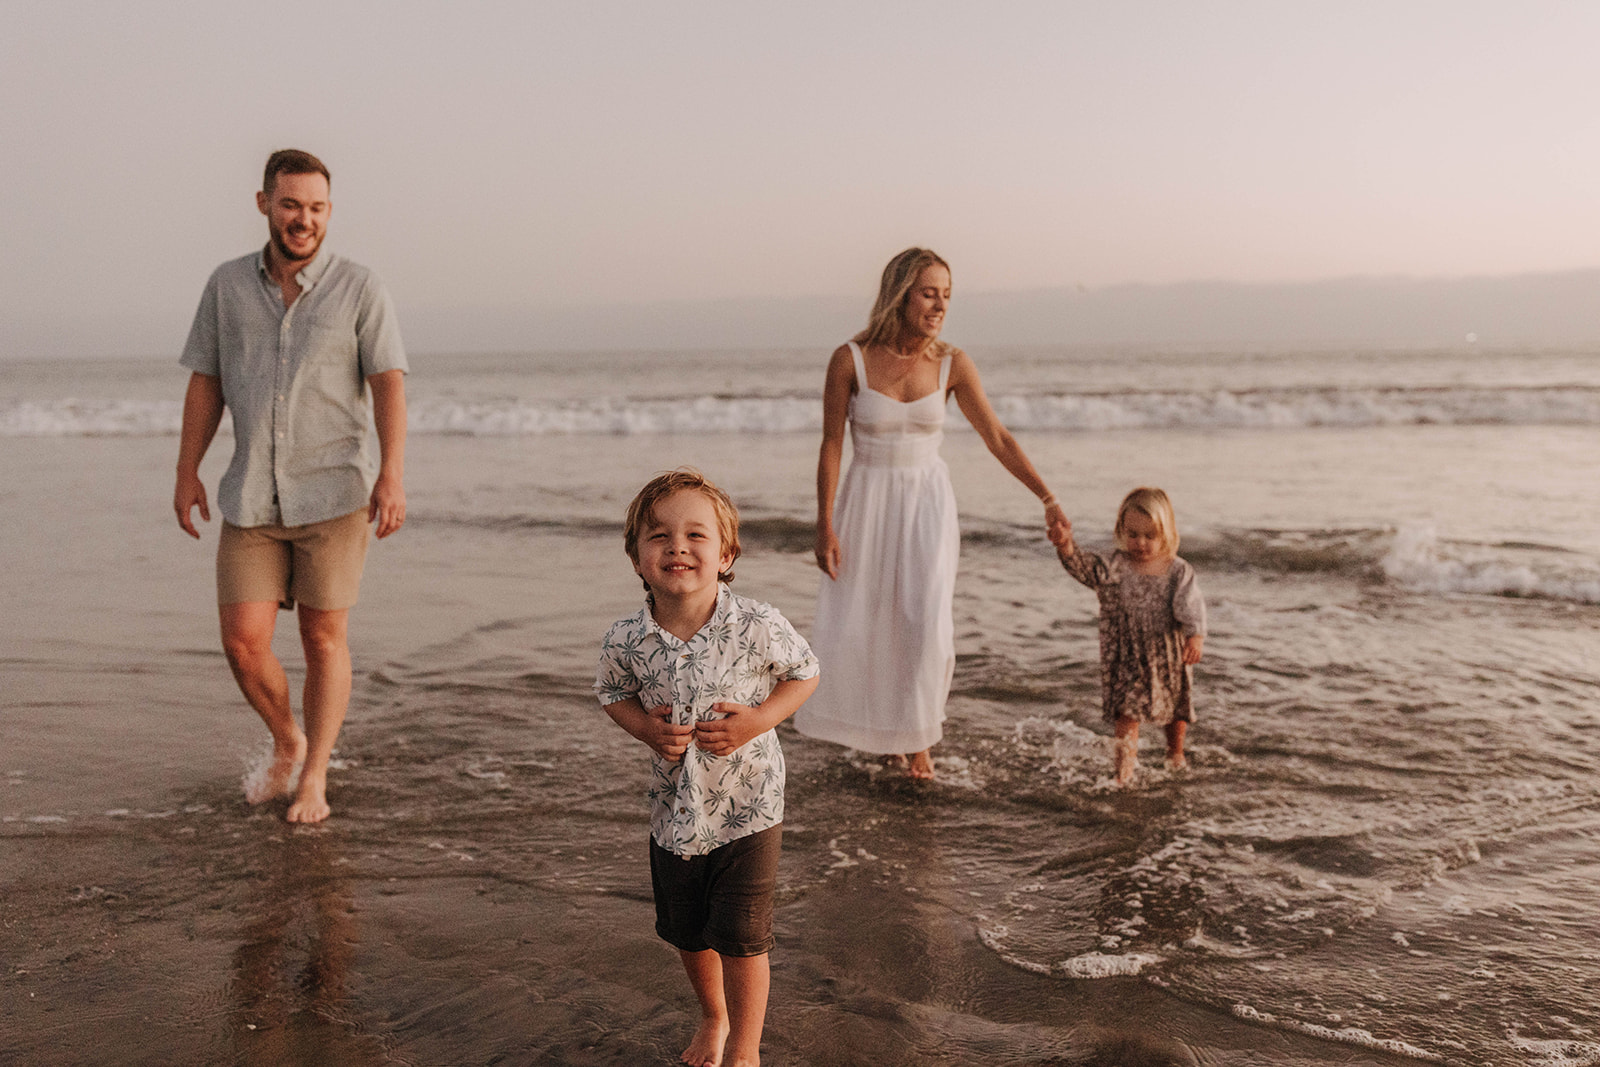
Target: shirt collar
{"type": "Point", "coordinates": [308, 276]}
{"type": "Point", "coordinates": [718, 614]}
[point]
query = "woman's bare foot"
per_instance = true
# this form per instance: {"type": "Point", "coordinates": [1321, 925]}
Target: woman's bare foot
{"type": "Point", "coordinates": [921, 765]}
{"type": "Point", "coordinates": [276, 779]}
{"type": "Point", "coordinates": [705, 1050]}
{"type": "Point", "coordinates": [895, 762]}
{"type": "Point", "coordinates": [310, 800]}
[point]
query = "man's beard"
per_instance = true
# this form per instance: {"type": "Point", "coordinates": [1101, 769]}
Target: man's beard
{"type": "Point", "coordinates": [282, 248]}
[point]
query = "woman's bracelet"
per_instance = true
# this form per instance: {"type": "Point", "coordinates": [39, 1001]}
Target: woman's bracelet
{"type": "Point", "coordinates": [1049, 501]}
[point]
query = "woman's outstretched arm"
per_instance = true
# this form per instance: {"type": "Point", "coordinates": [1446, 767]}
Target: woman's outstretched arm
{"type": "Point", "coordinates": [974, 404]}
{"type": "Point", "coordinates": [835, 405]}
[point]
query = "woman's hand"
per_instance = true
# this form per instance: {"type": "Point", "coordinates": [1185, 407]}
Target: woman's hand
{"type": "Point", "coordinates": [828, 551]}
{"type": "Point", "coordinates": [1193, 645]}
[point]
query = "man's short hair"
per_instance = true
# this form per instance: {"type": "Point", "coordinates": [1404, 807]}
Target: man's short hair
{"type": "Point", "coordinates": [641, 512]}
{"type": "Point", "coordinates": [291, 161]}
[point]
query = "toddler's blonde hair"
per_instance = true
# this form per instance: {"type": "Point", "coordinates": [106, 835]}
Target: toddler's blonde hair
{"type": "Point", "coordinates": [1155, 505]}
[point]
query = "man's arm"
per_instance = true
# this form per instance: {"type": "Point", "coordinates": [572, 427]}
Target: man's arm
{"type": "Point", "coordinates": [202, 414]}
{"type": "Point", "coordinates": [388, 504]}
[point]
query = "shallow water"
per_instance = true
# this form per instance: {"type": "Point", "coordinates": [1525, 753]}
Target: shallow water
{"type": "Point", "coordinates": [1385, 849]}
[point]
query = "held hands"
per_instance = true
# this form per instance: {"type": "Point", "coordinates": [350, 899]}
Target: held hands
{"type": "Point", "coordinates": [1191, 648]}
{"type": "Point", "coordinates": [721, 737]}
{"type": "Point", "coordinates": [190, 493]}
{"type": "Point", "coordinates": [1057, 526]}
{"type": "Point", "coordinates": [828, 551]}
{"type": "Point", "coordinates": [668, 741]}
{"type": "Point", "coordinates": [387, 506]}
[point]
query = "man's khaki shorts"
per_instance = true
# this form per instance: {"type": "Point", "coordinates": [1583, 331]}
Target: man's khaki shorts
{"type": "Point", "coordinates": [318, 564]}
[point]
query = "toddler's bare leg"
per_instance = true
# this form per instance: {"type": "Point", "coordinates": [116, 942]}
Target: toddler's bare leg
{"type": "Point", "coordinates": [1175, 734]}
{"type": "Point", "coordinates": [1126, 750]}
{"type": "Point", "coordinates": [323, 634]}
{"type": "Point", "coordinates": [705, 976]}
{"type": "Point", "coordinates": [247, 642]}
{"type": "Point", "coordinates": [747, 980]}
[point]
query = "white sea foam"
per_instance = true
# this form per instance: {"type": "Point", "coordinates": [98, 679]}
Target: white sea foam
{"type": "Point", "coordinates": [257, 784]}
{"type": "Point", "coordinates": [1035, 412]}
{"type": "Point", "coordinates": [90, 417]}
{"type": "Point", "coordinates": [1100, 965]}
{"type": "Point", "coordinates": [1348, 1035]}
{"type": "Point", "coordinates": [1557, 1053]}
{"type": "Point", "coordinates": [1418, 560]}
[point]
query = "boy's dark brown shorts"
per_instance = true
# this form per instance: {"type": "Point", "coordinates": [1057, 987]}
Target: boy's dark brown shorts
{"type": "Point", "coordinates": [721, 900]}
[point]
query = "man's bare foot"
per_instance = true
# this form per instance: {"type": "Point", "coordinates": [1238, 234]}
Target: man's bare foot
{"type": "Point", "coordinates": [310, 800]}
{"type": "Point", "coordinates": [921, 765]}
{"type": "Point", "coordinates": [276, 778]}
{"type": "Point", "coordinates": [705, 1050]}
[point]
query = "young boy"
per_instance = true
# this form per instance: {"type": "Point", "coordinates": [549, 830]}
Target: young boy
{"type": "Point", "coordinates": [702, 676]}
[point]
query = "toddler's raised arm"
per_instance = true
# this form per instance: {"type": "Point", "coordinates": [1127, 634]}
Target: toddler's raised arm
{"type": "Point", "coordinates": [1086, 567]}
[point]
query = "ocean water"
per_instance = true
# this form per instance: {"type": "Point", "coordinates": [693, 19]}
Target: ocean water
{"type": "Point", "coordinates": [1387, 848]}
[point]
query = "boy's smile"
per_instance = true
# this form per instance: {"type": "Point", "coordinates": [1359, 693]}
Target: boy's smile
{"type": "Point", "coordinates": [680, 548]}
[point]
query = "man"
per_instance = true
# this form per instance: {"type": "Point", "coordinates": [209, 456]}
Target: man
{"type": "Point", "coordinates": [290, 340]}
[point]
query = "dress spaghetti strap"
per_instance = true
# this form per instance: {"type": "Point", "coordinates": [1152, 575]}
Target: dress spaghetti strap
{"type": "Point", "coordinates": [861, 366]}
{"type": "Point", "coordinates": [944, 374]}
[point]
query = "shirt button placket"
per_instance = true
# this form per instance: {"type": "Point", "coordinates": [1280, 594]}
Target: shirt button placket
{"type": "Point", "coordinates": [280, 411]}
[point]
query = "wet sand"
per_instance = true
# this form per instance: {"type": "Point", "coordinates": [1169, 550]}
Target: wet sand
{"type": "Point", "coordinates": [481, 893]}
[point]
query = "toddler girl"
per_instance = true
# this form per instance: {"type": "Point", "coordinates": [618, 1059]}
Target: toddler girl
{"type": "Point", "coordinates": [1152, 624]}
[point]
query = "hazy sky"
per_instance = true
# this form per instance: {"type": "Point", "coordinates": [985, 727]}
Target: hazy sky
{"type": "Point", "coordinates": [506, 154]}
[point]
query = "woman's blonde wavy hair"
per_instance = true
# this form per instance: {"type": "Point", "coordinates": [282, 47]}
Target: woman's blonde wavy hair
{"type": "Point", "coordinates": [887, 320]}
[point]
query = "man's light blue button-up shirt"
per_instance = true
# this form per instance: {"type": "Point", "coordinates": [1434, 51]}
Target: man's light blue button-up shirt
{"type": "Point", "coordinates": [294, 380]}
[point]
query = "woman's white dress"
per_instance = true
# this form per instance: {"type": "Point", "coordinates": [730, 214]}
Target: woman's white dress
{"type": "Point", "coordinates": [884, 632]}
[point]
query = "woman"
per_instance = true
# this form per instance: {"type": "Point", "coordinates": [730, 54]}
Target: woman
{"type": "Point", "coordinates": [884, 630]}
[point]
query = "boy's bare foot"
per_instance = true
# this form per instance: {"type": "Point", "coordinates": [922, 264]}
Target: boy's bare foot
{"type": "Point", "coordinates": [310, 800]}
{"type": "Point", "coordinates": [276, 778]}
{"type": "Point", "coordinates": [921, 765]}
{"type": "Point", "coordinates": [1176, 762]}
{"type": "Point", "coordinates": [705, 1050]}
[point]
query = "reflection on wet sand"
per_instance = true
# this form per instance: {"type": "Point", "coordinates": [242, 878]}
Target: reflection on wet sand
{"type": "Point", "coordinates": [291, 970]}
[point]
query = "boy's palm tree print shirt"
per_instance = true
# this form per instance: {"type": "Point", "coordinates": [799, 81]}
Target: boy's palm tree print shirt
{"type": "Point", "coordinates": [703, 801]}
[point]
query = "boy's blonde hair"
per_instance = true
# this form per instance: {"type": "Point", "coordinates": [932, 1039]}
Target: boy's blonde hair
{"type": "Point", "coordinates": [888, 316]}
{"type": "Point", "coordinates": [642, 511]}
{"type": "Point", "coordinates": [1154, 505]}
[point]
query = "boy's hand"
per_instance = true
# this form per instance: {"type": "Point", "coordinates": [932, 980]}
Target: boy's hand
{"type": "Point", "coordinates": [721, 737]}
{"type": "Point", "coordinates": [1191, 648]}
{"type": "Point", "coordinates": [666, 740]}
{"type": "Point", "coordinates": [1060, 533]}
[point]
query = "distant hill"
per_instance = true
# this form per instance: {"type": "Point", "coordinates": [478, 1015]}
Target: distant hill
{"type": "Point", "coordinates": [1537, 309]}
{"type": "Point", "coordinates": [1555, 309]}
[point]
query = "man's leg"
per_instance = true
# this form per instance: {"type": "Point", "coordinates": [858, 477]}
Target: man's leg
{"type": "Point", "coordinates": [247, 642]}
{"type": "Point", "coordinates": [324, 635]}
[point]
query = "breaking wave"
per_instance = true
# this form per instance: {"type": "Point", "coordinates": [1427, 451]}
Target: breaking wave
{"type": "Point", "coordinates": [1042, 412]}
